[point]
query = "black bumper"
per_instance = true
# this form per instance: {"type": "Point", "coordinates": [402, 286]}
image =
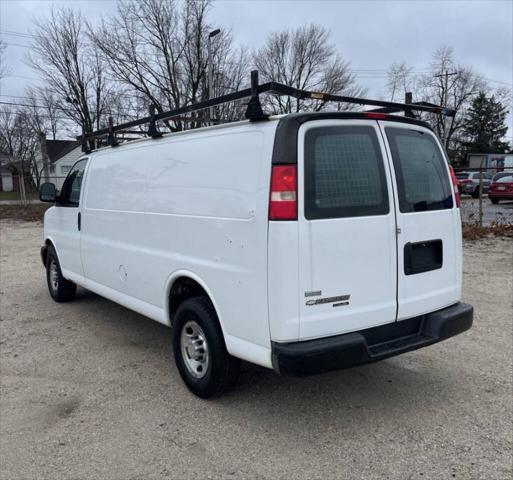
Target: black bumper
{"type": "Point", "coordinates": [372, 344]}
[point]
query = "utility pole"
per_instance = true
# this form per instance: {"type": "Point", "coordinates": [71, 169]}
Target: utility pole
{"type": "Point", "coordinates": [211, 35]}
{"type": "Point", "coordinates": [444, 119]}
{"type": "Point", "coordinates": [44, 156]}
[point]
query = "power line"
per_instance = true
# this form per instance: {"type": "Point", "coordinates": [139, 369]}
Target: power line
{"type": "Point", "coordinates": [61, 109]}
{"type": "Point", "coordinates": [363, 73]}
{"type": "Point", "coordinates": [16, 34]}
{"type": "Point", "coordinates": [510, 84]}
{"type": "Point", "coordinates": [366, 71]}
{"type": "Point", "coordinates": [64, 110]}
{"type": "Point", "coordinates": [359, 72]}
{"type": "Point", "coordinates": [24, 77]}
{"type": "Point", "coordinates": [17, 45]}
{"type": "Point", "coordinates": [26, 97]}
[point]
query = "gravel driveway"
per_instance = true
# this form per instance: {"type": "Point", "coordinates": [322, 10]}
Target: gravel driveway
{"type": "Point", "coordinates": [88, 390]}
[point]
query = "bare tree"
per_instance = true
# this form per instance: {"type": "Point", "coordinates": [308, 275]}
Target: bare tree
{"type": "Point", "coordinates": [44, 114]}
{"type": "Point", "coordinates": [452, 85]}
{"type": "Point", "coordinates": [16, 141]}
{"type": "Point", "coordinates": [73, 71]}
{"type": "Point", "coordinates": [447, 83]}
{"type": "Point", "coordinates": [158, 50]}
{"type": "Point", "coordinates": [400, 80]}
{"type": "Point", "coordinates": [304, 58]}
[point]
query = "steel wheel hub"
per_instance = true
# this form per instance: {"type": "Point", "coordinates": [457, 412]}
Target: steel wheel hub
{"type": "Point", "coordinates": [54, 276]}
{"type": "Point", "coordinates": [194, 349]}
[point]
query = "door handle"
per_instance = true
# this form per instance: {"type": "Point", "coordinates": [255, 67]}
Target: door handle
{"type": "Point", "coordinates": [79, 221]}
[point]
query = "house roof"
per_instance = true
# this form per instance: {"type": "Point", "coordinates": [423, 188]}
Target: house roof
{"type": "Point", "coordinates": [70, 155]}
{"type": "Point", "coordinates": [70, 148]}
{"type": "Point", "coordinates": [56, 149]}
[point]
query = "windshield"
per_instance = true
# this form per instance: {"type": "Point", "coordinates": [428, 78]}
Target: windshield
{"type": "Point", "coordinates": [420, 170]}
{"type": "Point", "coordinates": [503, 177]}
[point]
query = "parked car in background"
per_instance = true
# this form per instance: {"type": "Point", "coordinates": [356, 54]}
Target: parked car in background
{"type": "Point", "coordinates": [469, 183]}
{"type": "Point", "coordinates": [501, 187]}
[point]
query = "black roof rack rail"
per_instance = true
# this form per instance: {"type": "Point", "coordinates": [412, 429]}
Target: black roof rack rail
{"type": "Point", "coordinates": [254, 111]}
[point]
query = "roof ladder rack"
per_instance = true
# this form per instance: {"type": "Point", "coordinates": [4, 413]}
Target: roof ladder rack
{"type": "Point", "coordinates": [153, 130]}
{"type": "Point", "coordinates": [111, 139]}
{"type": "Point", "coordinates": [254, 110]}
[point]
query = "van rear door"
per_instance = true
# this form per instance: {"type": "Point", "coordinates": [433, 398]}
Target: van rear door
{"type": "Point", "coordinates": [347, 231]}
{"type": "Point", "coordinates": [429, 226]}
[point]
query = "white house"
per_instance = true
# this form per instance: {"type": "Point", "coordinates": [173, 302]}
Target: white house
{"type": "Point", "coordinates": [10, 170]}
{"type": "Point", "coordinates": [62, 155]}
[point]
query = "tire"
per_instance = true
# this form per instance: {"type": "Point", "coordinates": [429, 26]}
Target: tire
{"type": "Point", "coordinates": [199, 349]}
{"type": "Point", "coordinates": [495, 201]}
{"type": "Point", "coordinates": [475, 193]}
{"type": "Point", "coordinates": [61, 290]}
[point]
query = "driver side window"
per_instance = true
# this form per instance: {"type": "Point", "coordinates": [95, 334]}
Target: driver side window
{"type": "Point", "coordinates": [70, 193]}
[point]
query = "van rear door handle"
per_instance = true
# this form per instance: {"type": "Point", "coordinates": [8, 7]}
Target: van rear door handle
{"type": "Point", "coordinates": [79, 221]}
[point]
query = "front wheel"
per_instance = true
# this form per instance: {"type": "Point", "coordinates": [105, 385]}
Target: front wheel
{"type": "Point", "coordinates": [199, 349]}
{"type": "Point", "coordinates": [495, 201]}
{"type": "Point", "coordinates": [61, 290]}
{"type": "Point", "coordinates": [475, 193]}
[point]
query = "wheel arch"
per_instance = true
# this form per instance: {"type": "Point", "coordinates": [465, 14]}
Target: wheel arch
{"type": "Point", "coordinates": [199, 287]}
{"type": "Point", "coordinates": [48, 242]}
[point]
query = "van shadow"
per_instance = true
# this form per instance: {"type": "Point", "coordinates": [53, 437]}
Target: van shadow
{"type": "Point", "coordinates": [400, 388]}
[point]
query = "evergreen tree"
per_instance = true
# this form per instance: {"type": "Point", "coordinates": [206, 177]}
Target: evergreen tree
{"type": "Point", "coordinates": [485, 126]}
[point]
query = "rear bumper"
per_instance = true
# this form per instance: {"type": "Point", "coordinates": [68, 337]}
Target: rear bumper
{"type": "Point", "coordinates": [468, 188]}
{"type": "Point", "coordinates": [372, 344]}
{"type": "Point", "coordinates": [501, 194]}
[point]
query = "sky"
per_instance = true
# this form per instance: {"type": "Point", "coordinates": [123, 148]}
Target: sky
{"type": "Point", "coordinates": [370, 34]}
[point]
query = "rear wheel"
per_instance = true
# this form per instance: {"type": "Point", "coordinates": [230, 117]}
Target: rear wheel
{"type": "Point", "coordinates": [495, 201]}
{"type": "Point", "coordinates": [475, 193]}
{"type": "Point", "coordinates": [199, 349]}
{"type": "Point", "coordinates": [61, 290]}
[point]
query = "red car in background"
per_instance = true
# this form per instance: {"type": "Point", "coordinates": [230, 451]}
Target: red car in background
{"type": "Point", "coordinates": [501, 187]}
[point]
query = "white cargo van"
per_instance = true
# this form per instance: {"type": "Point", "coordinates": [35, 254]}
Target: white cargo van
{"type": "Point", "coordinates": [303, 243]}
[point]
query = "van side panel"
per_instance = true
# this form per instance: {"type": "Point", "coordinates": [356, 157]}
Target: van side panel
{"type": "Point", "coordinates": [192, 201]}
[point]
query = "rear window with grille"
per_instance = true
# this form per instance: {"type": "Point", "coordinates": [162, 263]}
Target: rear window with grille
{"type": "Point", "coordinates": [420, 170]}
{"type": "Point", "coordinates": [344, 173]}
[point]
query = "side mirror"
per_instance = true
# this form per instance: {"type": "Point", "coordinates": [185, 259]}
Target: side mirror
{"type": "Point", "coordinates": [48, 192]}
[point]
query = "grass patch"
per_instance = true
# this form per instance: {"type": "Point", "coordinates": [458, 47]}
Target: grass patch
{"type": "Point", "coordinates": [30, 213]}
{"type": "Point", "coordinates": [472, 231]}
{"type": "Point", "coordinates": [17, 196]}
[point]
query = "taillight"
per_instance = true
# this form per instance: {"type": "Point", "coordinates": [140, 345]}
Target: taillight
{"type": "Point", "coordinates": [283, 197]}
{"type": "Point", "coordinates": [455, 185]}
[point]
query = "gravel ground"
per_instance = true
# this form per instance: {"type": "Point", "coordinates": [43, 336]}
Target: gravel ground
{"type": "Point", "coordinates": [88, 390]}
